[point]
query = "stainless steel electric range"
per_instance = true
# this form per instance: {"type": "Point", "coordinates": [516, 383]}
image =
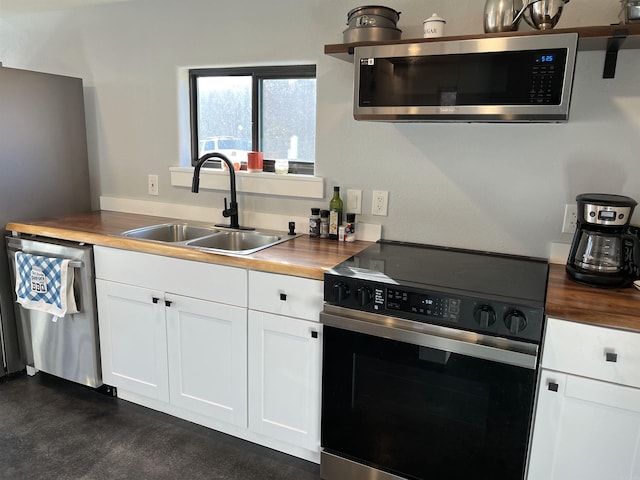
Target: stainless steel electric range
{"type": "Point", "coordinates": [430, 359]}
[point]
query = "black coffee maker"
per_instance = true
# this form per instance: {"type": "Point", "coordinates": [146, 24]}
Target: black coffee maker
{"type": "Point", "coordinates": [600, 245]}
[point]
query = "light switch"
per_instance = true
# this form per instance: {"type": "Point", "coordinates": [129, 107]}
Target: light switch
{"type": "Point", "coordinates": [354, 201]}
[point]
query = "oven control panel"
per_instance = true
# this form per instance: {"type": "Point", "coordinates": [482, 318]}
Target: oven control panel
{"type": "Point", "coordinates": [487, 316]}
{"type": "Point", "coordinates": [430, 305]}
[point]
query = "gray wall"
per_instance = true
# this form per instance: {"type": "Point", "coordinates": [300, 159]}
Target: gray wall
{"type": "Point", "coordinates": [490, 187]}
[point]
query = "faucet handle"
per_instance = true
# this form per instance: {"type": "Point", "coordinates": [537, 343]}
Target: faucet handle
{"type": "Point", "coordinates": [225, 212]}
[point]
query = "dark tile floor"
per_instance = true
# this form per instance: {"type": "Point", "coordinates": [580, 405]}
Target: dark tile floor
{"type": "Point", "coordinates": [54, 429]}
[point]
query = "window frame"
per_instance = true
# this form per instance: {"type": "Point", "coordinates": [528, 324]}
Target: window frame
{"type": "Point", "coordinates": [258, 75]}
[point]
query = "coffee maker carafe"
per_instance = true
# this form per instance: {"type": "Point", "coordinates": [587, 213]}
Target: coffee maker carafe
{"type": "Point", "coordinates": [597, 251]}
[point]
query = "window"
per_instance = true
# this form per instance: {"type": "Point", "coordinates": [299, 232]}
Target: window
{"type": "Point", "coordinates": [268, 109]}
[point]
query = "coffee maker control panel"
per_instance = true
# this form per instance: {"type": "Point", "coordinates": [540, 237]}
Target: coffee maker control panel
{"type": "Point", "coordinates": [607, 215]}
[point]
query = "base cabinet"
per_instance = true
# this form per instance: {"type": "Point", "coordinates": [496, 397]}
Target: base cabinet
{"type": "Point", "coordinates": [178, 336]}
{"type": "Point", "coordinates": [284, 378]}
{"type": "Point", "coordinates": [585, 428]}
{"type": "Point", "coordinates": [133, 339]}
{"type": "Point", "coordinates": [185, 351]}
{"type": "Point", "coordinates": [207, 353]}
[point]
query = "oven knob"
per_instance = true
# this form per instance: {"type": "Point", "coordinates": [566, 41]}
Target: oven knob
{"type": "Point", "coordinates": [485, 316]}
{"type": "Point", "coordinates": [515, 321]}
{"type": "Point", "coordinates": [364, 296]}
{"type": "Point", "coordinates": [340, 292]}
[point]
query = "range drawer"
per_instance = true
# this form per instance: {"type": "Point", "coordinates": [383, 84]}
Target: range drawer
{"type": "Point", "coordinates": [590, 351]}
{"type": "Point", "coordinates": [286, 295]}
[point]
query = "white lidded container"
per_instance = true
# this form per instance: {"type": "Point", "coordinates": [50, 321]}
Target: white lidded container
{"type": "Point", "coordinates": [433, 26]}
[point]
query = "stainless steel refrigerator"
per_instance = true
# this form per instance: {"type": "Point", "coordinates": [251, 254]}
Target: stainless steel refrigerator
{"type": "Point", "coordinates": [43, 169]}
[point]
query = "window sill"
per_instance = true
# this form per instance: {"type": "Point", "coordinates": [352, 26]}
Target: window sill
{"type": "Point", "coordinates": [303, 186]}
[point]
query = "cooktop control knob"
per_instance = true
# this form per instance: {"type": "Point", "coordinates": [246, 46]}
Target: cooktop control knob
{"type": "Point", "coordinates": [364, 295]}
{"type": "Point", "coordinates": [485, 316]}
{"type": "Point", "coordinates": [340, 292]}
{"type": "Point", "coordinates": [515, 321]}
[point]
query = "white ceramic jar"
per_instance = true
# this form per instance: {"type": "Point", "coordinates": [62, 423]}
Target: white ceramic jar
{"type": "Point", "coordinates": [433, 26]}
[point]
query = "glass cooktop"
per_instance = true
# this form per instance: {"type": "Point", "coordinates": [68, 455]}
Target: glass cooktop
{"type": "Point", "coordinates": [476, 273]}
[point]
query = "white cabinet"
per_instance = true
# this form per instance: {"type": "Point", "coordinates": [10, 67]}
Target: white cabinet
{"type": "Point", "coordinates": [285, 358]}
{"type": "Point", "coordinates": [133, 339]}
{"type": "Point", "coordinates": [587, 424]}
{"type": "Point", "coordinates": [171, 347]}
{"type": "Point", "coordinates": [284, 378]}
{"type": "Point", "coordinates": [208, 358]}
{"type": "Point", "coordinates": [585, 429]}
{"type": "Point", "coordinates": [176, 336]}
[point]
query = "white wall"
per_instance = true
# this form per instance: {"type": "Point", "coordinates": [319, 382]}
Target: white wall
{"type": "Point", "coordinates": [482, 186]}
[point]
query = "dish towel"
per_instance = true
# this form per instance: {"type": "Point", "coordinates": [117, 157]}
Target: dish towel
{"type": "Point", "coordinates": [45, 283]}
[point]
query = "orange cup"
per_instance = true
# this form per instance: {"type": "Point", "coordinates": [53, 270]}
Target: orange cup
{"type": "Point", "coordinates": [254, 161]}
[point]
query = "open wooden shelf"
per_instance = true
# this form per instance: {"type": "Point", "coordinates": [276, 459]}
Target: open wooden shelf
{"type": "Point", "coordinates": [589, 38]}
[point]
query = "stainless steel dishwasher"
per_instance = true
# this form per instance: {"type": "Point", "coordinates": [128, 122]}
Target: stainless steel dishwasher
{"type": "Point", "coordinates": [68, 346]}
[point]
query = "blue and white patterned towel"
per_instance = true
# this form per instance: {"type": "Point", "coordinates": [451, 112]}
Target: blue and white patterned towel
{"type": "Point", "coordinates": [45, 283]}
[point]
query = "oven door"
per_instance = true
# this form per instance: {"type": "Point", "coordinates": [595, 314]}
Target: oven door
{"type": "Point", "coordinates": [431, 403]}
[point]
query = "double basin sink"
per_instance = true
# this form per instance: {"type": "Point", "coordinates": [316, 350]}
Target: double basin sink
{"type": "Point", "coordinates": [209, 238]}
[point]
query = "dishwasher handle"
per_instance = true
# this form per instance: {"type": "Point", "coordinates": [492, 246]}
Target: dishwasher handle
{"type": "Point", "coordinates": [16, 245]}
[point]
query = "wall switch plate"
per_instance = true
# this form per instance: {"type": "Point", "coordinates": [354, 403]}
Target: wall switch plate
{"type": "Point", "coordinates": [354, 201]}
{"type": "Point", "coordinates": [570, 218]}
{"type": "Point", "coordinates": [380, 203]}
{"type": "Point", "coordinates": [152, 185]}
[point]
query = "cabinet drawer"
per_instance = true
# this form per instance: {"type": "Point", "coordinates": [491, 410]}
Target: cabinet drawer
{"type": "Point", "coordinates": [590, 351]}
{"type": "Point", "coordinates": [285, 295]}
{"type": "Point", "coordinates": [216, 283]}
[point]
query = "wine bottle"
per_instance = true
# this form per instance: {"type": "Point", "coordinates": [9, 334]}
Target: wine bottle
{"type": "Point", "coordinates": [335, 214]}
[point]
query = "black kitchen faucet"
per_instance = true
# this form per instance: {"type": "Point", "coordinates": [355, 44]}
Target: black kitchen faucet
{"type": "Point", "coordinates": [232, 210]}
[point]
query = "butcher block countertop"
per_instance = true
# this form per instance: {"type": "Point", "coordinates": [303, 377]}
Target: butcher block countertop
{"type": "Point", "coordinates": [302, 256]}
{"type": "Point", "coordinates": [566, 299]}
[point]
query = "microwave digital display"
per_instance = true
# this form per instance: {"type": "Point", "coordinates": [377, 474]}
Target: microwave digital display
{"type": "Point", "coordinates": [520, 79]}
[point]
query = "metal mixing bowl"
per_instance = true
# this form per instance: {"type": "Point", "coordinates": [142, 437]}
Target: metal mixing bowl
{"type": "Point", "coordinates": [545, 14]}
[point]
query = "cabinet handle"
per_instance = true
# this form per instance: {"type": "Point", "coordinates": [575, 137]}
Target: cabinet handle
{"type": "Point", "coordinates": [611, 357]}
{"type": "Point", "coordinates": [155, 299]}
{"type": "Point", "coordinates": [314, 334]}
{"type": "Point", "coordinates": [283, 297]}
{"type": "Point", "coordinates": [553, 386]}
{"type": "Point", "coordinates": [167, 303]}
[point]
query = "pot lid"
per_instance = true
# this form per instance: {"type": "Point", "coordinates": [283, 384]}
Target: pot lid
{"type": "Point", "coordinates": [374, 11]}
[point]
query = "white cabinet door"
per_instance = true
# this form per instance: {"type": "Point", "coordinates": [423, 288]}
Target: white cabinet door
{"type": "Point", "coordinates": [208, 358]}
{"type": "Point", "coordinates": [284, 378]}
{"type": "Point", "coordinates": [587, 430]}
{"type": "Point", "coordinates": [133, 339]}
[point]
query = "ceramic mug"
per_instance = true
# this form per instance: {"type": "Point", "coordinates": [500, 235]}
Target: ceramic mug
{"type": "Point", "coordinates": [254, 161]}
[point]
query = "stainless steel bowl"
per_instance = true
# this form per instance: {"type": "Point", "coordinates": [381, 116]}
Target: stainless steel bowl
{"type": "Point", "coordinates": [631, 11]}
{"type": "Point", "coordinates": [545, 14]}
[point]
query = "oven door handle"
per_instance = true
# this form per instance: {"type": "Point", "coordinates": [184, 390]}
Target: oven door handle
{"type": "Point", "coordinates": [497, 349]}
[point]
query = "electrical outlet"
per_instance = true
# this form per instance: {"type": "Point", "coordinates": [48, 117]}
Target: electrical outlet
{"type": "Point", "coordinates": [152, 185]}
{"type": "Point", "coordinates": [354, 201]}
{"type": "Point", "coordinates": [380, 203]}
{"type": "Point", "coordinates": [570, 218]}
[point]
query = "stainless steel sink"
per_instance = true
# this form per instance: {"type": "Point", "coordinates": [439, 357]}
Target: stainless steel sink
{"type": "Point", "coordinates": [237, 241]}
{"type": "Point", "coordinates": [209, 239]}
{"type": "Point", "coordinates": [170, 232]}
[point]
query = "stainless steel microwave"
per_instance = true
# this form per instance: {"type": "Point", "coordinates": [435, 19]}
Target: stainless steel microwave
{"type": "Point", "coordinates": [498, 79]}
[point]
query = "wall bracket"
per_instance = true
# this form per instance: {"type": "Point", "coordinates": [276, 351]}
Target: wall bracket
{"type": "Point", "coordinates": [611, 57]}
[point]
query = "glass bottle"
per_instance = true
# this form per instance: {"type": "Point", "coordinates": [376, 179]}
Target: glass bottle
{"type": "Point", "coordinates": [314, 223]}
{"type": "Point", "coordinates": [324, 223]}
{"type": "Point", "coordinates": [335, 214]}
{"type": "Point", "coordinates": [350, 228]}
